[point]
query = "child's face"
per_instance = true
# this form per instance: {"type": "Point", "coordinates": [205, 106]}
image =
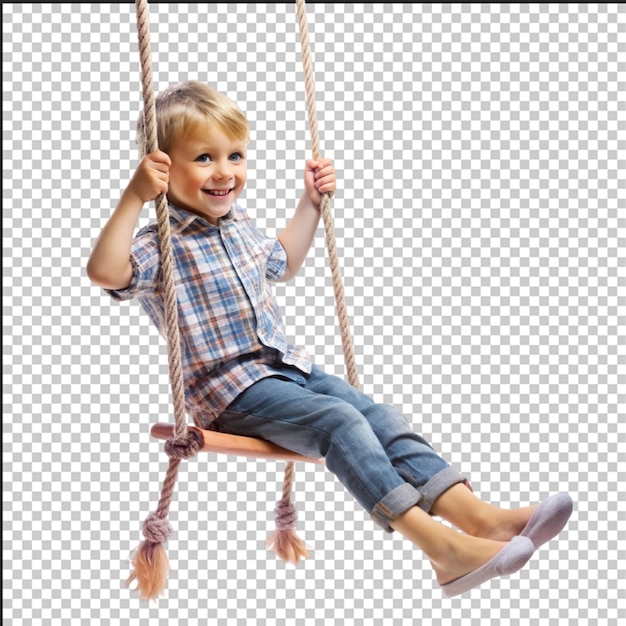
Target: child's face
{"type": "Point", "coordinates": [208, 173]}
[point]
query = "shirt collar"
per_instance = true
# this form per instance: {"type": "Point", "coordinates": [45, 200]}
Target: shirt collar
{"type": "Point", "coordinates": [184, 218]}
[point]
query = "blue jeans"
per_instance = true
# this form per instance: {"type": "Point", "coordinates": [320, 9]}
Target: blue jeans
{"type": "Point", "coordinates": [369, 447]}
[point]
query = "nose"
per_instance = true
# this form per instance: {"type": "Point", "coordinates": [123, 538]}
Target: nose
{"type": "Point", "coordinates": [223, 169]}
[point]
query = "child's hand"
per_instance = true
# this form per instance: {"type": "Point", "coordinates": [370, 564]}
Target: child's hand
{"type": "Point", "coordinates": [151, 176]}
{"type": "Point", "coordinates": [319, 178]}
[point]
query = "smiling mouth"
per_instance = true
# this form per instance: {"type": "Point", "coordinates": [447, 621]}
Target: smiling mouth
{"type": "Point", "coordinates": [219, 193]}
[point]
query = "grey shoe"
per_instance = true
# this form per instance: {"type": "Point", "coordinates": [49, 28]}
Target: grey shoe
{"type": "Point", "coordinates": [549, 519]}
{"type": "Point", "coordinates": [510, 559]}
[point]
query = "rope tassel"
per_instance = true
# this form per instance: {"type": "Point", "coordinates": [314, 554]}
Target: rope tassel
{"type": "Point", "coordinates": [284, 541]}
{"type": "Point", "coordinates": [150, 561]}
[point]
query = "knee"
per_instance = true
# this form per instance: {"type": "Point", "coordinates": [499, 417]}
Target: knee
{"type": "Point", "coordinates": [347, 427]}
{"type": "Point", "coordinates": [344, 416]}
{"type": "Point", "coordinates": [387, 418]}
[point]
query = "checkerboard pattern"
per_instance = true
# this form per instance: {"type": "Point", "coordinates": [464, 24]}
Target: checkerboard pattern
{"type": "Point", "coordinates": [480, 150]}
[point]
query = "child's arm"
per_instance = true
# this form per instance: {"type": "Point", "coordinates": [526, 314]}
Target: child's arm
{"type": "Point", "coordinates": [296, 239]}
{"type": "Point", "coordinates": [109, 264]}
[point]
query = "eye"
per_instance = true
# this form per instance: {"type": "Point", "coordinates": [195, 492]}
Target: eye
{"type": "Point", "coordinates": [203, 158]}
{"type": "Point", "coordinates": [236, 156]}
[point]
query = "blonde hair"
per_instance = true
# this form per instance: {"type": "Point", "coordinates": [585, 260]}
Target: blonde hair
{"type": "Point", "coordinates": [185, 108]}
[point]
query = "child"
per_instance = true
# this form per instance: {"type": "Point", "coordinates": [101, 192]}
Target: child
{"type": "Point", "coordinates": [241, 375]}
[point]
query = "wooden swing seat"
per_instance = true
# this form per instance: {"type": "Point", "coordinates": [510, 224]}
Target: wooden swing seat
{"type": "Point", "coordinates": [223, 443]}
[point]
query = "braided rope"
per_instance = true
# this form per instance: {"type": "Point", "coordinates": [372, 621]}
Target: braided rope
{"type": "Point", "coordinates": [285, 510]}
{"type": "Point", "coordinates": [163, 226]}
{"type": "Point", "coordinates": [286, 514]}
{"type": "Point", "coordinates": [329, 228]}
{"type": "Point", "coordinates": [181, 445]}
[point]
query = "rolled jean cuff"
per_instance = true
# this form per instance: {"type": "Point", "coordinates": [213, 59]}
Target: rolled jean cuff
{"type": "Point", "coordinates": [440, 482]}
{"type": "Point", "coordinates": [402, 498]}
{"type": "Point", "coordinates": [394, 504]}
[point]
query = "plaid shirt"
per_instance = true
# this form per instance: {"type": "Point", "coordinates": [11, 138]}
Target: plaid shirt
{"type": "Point", "coordinates": [231, 330]}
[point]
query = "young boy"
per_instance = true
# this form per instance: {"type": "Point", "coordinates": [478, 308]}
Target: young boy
{"type": "Point", "coordinates": [241, 375]}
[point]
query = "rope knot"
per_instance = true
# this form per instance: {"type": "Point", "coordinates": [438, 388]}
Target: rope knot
{"type": "Point", "coordinates": [286, 514]}
{"type": "Point", "coordinates": [184, 447]}
{"type": "Point", "coordinates": [156, 529]}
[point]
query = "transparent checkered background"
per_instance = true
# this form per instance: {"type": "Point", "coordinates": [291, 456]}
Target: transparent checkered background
{"type": "Point", "coordinates": [480, 152]}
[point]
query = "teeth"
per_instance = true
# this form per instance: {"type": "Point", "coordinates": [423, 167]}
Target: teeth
{"type": "Point", "coordinates": [217, 192]}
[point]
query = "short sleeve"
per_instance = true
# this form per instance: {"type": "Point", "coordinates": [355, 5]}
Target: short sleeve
{"type": "Point", "coordinates": [146, 261]}
{"type": "Point", "coordinates": [276, 262]}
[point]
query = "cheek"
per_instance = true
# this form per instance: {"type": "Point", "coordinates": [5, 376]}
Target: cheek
{"type": "Point", "coordinates": [186, 180]}
{"type": "Point", "coordinates": [196, 180]}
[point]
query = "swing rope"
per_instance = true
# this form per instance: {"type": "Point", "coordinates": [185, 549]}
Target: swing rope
{"type": "Point", "coordinates": [329, 228]}
{"type": "Point", "coordinates": [150, 559]}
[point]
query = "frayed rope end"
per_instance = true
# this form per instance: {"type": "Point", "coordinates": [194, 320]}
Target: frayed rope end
{"type": "Point", "coordinates": [284, 541]}
{"type": "Point", "coordinates": [288, 546]}
{"type": "Point", "coordinates": [151, 566]}
{"type": "Point", "coordinates": [150, 561]}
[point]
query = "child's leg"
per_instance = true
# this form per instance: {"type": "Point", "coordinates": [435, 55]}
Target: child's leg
{"type": "Point", "coordinates": [540, 523]}
{"type": "Point", "coordinates": [462, 508]}
{"type": "Point", "coordinates": [312, 424]}
{"type": "Point", "coordinates": [452, 554]}
{"type": "Point", "coordinates": [412, 457]}
{"type": "Point", "coordinates": [418, 464]}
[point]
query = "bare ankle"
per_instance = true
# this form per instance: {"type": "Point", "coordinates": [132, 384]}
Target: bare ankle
{"type": "Point", "coordinates": [485, 523]}
{"type": "Point", "coordinates": [502, 524]}
{"type": "Point", "coordinates": [464, 556]}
